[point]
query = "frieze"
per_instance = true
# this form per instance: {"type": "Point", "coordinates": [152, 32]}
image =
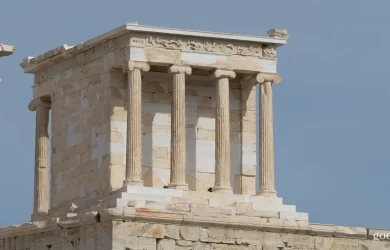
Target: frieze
{"type": "Point", "coordinates": [197, 44]}
{"type": "Point", "coordinates": [135, 41]}
{"type": "Point", "coordinates": [269, 51]}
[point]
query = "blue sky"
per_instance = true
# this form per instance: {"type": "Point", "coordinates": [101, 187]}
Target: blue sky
{"type": "Point", "coordinates": [331, 110]}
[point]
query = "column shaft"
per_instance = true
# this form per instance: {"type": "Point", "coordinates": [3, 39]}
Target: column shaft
{"type": "Point", "coordinates": [178, 133]}
{"type": "Point", "coordinates": [41, 172]}
{"type": "Point", "coordinates": [222, 133]}
{"type": "Point", "coordinates": [267, 171]}
{"type": "Point", "coordinates": [134, 123]}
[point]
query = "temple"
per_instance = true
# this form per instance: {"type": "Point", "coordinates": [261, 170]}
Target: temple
{"type": "Point", "coordinates": [153, 146]}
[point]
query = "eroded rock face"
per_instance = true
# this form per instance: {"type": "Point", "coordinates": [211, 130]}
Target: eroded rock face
{"type": "Point", "coordinates": [6, 50]}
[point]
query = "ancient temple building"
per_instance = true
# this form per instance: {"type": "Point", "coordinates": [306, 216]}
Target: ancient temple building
{"type": "Point", "coordinates": [153, 146]}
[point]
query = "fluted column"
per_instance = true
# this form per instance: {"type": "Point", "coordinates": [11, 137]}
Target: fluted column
{"type": "Point", "coordinates": [178, 128]}
{"type": "Point", "coordinates": [266, 135]}
{"type": "Point", "coordinates": [41, 106]}
{"type": "Point", "coordinates": [222, 131]}
{"type": "Point", "coordinates": [134, 130]}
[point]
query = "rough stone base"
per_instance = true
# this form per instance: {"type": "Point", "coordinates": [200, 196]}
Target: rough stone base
{"type": "Point", "coordinates": [130, 228]}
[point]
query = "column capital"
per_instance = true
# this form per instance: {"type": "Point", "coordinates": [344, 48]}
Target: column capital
{"type": "Point", "coordinates": [133, 65]}
{"type": "Point", "coordinates": [224, 73]}
{"type": "Point", "coordinates": [262, 78]}
{"type": "Point", "coordinates": [40, 101]}
{"type": "Point", "coordinates": [268, 77]}
{"type": "Point", "coordinates": [179, 69]}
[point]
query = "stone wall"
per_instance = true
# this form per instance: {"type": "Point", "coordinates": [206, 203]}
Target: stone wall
{"type": "Point", "coordinates": [80, 119]}
{"type": "Point", "coordinates": [143, 229]}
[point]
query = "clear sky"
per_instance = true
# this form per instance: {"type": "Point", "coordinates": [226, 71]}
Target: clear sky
{"type": "Point", "coordinates": [331, 111]}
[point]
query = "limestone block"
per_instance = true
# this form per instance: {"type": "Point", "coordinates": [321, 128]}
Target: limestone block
{"type": "Point", "coordinates": [190, 233]}
{"type": "Point", "coordinates": [206, 219]}
{"type": "Point", "coordinates": [166, 244]}
{"type": "Point", "coordinates": [217, 235]}
{"type": "Point", "coordinates": [287, 215]}
{"type": "Point", "coordinates": [304, 227]}
{"type": "Point", "coordinates": [205, 134]}
{"type": "Point", "coordinates": [322, 229]}
{"type": "Point", "coordinates": [222, 200]}
{"type": "Point", "coordinates": [348, 232]}
{"type": "Point", "coordinates": [290, 226]}
{"type": "Point", "coordinates": [200, 181]}
{"type": "Point", "coordinates": [158, 55]}
{"type": "Point", "coordinates": [247, 222]}
{"type": "Point", "coordinates": [243, 207]}
{"type": "Point", "coordinates": [146, 243]}
{"type": "Point", "coordinates": [373, 245]}
{"type": "Point", "coordinates": [204, 59]}
{"type": "Point", "coordinates": [347, 244]}
{"type": "Point", "coordinates": [297, 241]}
{"type": "Point", "coordinates": [235, 247]}
{"type": "Point", "coordinates": [145, 214]}
{"type": "Point", "coordinates": [259, 213]}
{"type": "Point", "coordinates": [273, 225]}
{"type": "Point", "coordinates": [78, 220]}
{"type": "Point", "coordinates": [207, 209]}
{"type": "Point", "coordinates": [111, 214]}
{"type": "Point", "coordinates": [139, 229]}
{"type": "Point", "coordinates": [183, 248]}
{"type": "Point", "coordinates": [184, 243]}
{"type": "Point", "coordinates": [201, 246]}
{"type": "Point", "coordinates": [244, 185]}
{"type": "Point", "coordinates": [51, 238]}
{"type": "Point", "coordinates": [247, 237]}
{"type": "Point", "coordinates": [172, 231]}
{"type": "Point", "coordinates": [124, 241]}
{"type": "Point", "coordinates": [179, 207]}
{"type": "Point", "coordinates": [189, 200]}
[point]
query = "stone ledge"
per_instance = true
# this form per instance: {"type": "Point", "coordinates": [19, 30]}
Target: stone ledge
{"type": "Point", "coordinates": [6, 50]}
{"type": "Point", "coordinates": [131, 214]}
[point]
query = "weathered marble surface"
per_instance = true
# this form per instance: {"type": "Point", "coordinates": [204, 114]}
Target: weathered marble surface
{"type": "Point", "coordinates": [151, 229]}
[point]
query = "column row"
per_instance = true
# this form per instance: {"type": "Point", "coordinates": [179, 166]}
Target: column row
{"type": "Point", "coordinates": [222, 129]}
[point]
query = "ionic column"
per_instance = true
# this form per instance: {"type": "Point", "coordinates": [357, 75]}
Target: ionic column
{"type": "Point", "coordinates": [178, 128]}
{"type": "Point", "coordinates": [41, 106]}
{"type": "Point", "coordinates": [134, 130]}
{"type": "Point", "coordinates": [266, 135]}
{"type": "Point", "coordinates": [222, 132]}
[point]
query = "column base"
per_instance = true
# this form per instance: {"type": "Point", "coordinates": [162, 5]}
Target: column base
{"type": "Point", "coordinates": [38, 216]}
{"type": "Point", "coordinates": [181, 186]}
{"type": "Point", "coordinates": [267, 193]}
{"type": "Point", "coordinates": [222, 189]}
{"type": "Point", "coordinates": [133, 183]}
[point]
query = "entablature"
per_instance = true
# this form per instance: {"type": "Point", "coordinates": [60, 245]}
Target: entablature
{"type": "Point", "coordinates": [203, 49]}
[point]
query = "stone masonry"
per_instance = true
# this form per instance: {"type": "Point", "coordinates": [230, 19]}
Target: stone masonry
{"type": "Point", "coordinates": [153, 146]}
